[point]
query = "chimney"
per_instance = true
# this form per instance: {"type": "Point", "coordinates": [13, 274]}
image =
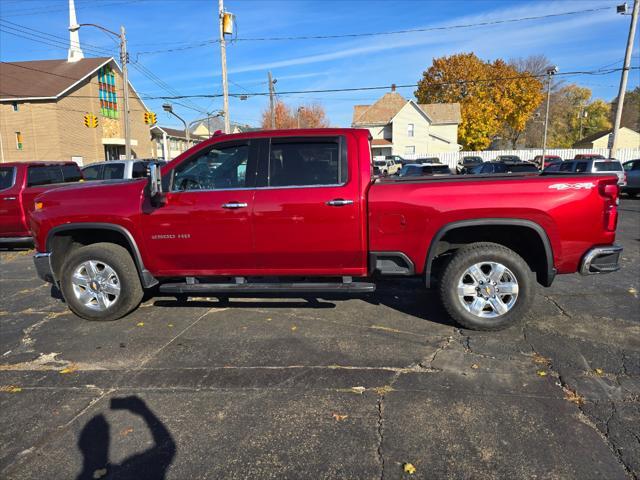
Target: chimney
{"type": "Point", "coordinates": [75, 53]}
{"type": "Point", "coordinates": [393, 87]}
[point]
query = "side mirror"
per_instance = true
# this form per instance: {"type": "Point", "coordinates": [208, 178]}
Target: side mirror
{"type": "Point", "coordinates": [156, 194]}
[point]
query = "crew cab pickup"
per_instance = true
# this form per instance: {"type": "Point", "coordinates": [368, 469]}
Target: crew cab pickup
{"type": "Point", "coordinates": [20, 184]}
{"type": "Point", "coordinates": [297, 212]}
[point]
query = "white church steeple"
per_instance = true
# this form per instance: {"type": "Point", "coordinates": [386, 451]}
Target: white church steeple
{"type": "Point", "coordinates": [75, 53]}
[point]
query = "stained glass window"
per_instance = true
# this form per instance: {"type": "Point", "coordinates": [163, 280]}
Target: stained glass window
{"type": "Point", "coordinates": [107, 92]}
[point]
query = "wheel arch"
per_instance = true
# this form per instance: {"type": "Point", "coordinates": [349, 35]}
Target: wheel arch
{"type": "Point", "coordinates": [540, 259]}
{"type": "Point", "coordinates": [63, 237]}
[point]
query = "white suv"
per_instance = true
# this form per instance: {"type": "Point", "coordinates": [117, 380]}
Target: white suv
{"type": "Point", "coordinates": [117, 170]}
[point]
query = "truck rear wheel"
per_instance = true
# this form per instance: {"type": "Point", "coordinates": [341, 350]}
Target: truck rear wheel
{"type": "Point", "coordinates": [100, 282]}
{"type": "Point", "coordinates": [487, 286]}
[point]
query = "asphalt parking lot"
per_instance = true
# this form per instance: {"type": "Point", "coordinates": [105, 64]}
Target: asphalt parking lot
{"type": "Point", "coordinates": [326, 388]}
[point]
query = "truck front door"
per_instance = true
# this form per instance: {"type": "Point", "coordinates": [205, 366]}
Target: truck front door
{"type": "Point", "coordinates": [308, 212]}
{"type": "Point", "coordinates": [205, 226]}
{"type": "Point", "coordinates": [10, 211]}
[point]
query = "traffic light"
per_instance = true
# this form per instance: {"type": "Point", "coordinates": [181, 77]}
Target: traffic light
{"type": "Point", "coordinates": [150, 118]}
{"type": "Point", "coordinates": [90, 120]}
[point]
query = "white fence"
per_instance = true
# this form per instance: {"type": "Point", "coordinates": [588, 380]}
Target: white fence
{"type": "Point", "coordinates": [451, 158]}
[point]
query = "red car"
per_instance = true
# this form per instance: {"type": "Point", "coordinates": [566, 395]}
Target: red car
{"type": "Point", "coordinates": [20, 184]}
{"type": "Point", "coordinates": [548, 160]}
{"type": "Point", "coordinates": [298, 212]}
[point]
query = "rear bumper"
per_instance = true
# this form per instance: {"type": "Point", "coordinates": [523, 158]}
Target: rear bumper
{"type": "Point", "coordinates": [42, 261]}
{"type": "Point", "coordinates": [601, 260]}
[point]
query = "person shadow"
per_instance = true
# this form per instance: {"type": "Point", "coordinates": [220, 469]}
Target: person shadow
{"type": "Point", "coordinates": [152, 463]}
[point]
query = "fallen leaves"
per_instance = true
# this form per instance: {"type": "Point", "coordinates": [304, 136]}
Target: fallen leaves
{"type": "Point", "coordinates": [540, 360]}
{"type": "Point", "coordinates": [475, 366]}
{"type": "Point", "coordinates": [339, 418]}
{"type": "Point", "coordinates": [573, 396]}
{"type": "Point", "coordinates": [408, 468]}
{"type": "Point", "coordinates": [126, 431]}
{"type": "Point", "coordinates": [140, 324]}
{"type": "Point", "coordinates": [294, 328]}
{"type": "Point", "coordinates": [383, 390]}
{"type": "Point", "coordinates": [99, 473]}
{"type": "Point", "coordinates": [69, 369]}
{"type": "Point", "coordinates": [541, 373]}
{"type": "Point", "coordinates": [598, 372]}
{"type": "Point", "coordinates": [170, 325]}
{"type": "Point", "coordinates": [10, 389]}
{"type": "Point", "coordinates": [358, 390]}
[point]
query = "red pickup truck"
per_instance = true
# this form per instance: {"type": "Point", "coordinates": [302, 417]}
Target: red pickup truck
{"type": "Point", "coordinates": [297, 211]}
{"type": "Point", "coordinates": [20, 184]}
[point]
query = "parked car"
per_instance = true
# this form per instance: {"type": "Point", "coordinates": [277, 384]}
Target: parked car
{"type": "Point", "coordinates": [590, 166]}
{"type": "Point", "coordinates": [398, 159]}
{"type": "Point", "coordinates": [632, 170]}
{"type": "Point", "coordinates": [427, 160]}
{"type": "Point", "coordinates": [386, 167]}
{"type": "Point", "coordinates": [20, 184]}
{"type": "Point", "coordinates": [508, 158]}
{"type": "Point", "coordinates": [504, 167]}
{"type": "Point", "coordinates": [117, 169]}
{"type": "Point", "coordinates": [548, 160]}
{"type": "Point", "coordinates": [465, 164]}
{"type": "Point", "coordinates": [589, 156]}
{"type": "Point", "coordinates": [416, 169]}
{"type": "Point", "coordinates": [301, 204]}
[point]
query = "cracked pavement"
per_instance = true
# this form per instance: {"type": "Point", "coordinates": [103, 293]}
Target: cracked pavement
{"type": "Point", "coordinates": [326, 388]}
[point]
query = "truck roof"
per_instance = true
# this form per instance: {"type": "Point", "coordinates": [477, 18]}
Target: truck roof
{"type": "Point", "coordinates": [291, 132]}
{"type": "Point", "coordinates": [35, 164]}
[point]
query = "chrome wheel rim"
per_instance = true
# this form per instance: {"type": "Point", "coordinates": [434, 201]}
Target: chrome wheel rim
{"type": "Point", "coordinates": [96, 285]}
{"type": "Point", "coordinates": [488, 289]}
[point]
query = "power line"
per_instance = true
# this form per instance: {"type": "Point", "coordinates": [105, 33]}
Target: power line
{"type": "Point", "coordinates": [372, 34]}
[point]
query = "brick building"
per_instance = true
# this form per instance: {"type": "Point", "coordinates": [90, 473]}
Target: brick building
{"type": "Point", "coordinates": [42, 109]}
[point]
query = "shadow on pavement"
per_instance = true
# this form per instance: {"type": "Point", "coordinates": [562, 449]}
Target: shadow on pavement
{"type": "Point", "coordinates": [150, 464]}
{"type": "Point", "coordinates": [407, 296]}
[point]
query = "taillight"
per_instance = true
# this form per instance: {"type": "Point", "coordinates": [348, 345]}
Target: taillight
{"type": "Point", "coordinates": [610, 192]}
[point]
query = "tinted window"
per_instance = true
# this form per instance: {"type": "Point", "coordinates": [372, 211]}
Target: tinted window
{"type": "Point", "coordinates": [71, 173]}
{"type": "Point", "coordinates": [500, 168]}
{"type": "Point", "coordinates": [139, 169]}
{"type": "Point", "coordinates": [566, 166]}
{"type": "Point", "coordinates": [607, 167]}
{"type": "Point", "coordinates": [439, 169]}
{"type": "Point", "coordinates": [113, 171]}
{"type": "Point", "coordinates": [91, 173]}
{"type": "Point", "coordinates": [44, 175]}
{"type": "Point", "coordinates": [219, 168]}
{"type": "Point", "coordinates": [582, 167]}
{"type": "Point", "coordinates": [306, 163]}
{"type": "Point", "coordinates": [523, 168]}
{"type": "Point", "coordinates": [6, 177]}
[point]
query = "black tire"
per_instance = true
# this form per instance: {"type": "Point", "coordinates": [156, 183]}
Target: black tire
{"type": "Point", "coordinates": [480, 252]}
{"type": "Point", "coordinates": [119, 259]}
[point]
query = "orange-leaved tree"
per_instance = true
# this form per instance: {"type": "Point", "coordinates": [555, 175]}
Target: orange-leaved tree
{"type": "Point", "coordinates": [306, 116]}
{"type": "Point", "coordinates": [492, 95]}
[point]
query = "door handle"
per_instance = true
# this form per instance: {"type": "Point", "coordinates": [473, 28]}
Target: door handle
{"type": "Point", "coordinates": [9, 198]}
{"type": "Point", "coordinates": [233, 205]}
{"type": "Point", "coordinates": [339, 202]}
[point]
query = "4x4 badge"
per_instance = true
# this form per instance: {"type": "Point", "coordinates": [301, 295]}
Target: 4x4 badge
{"type": "Point", "coordinates": [572, 186]}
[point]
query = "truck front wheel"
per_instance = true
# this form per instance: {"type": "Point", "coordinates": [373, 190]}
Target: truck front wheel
{"type": "Point", "coordinates": [100, 282]}
{"type": "Point", "coordinates": [487, 286]}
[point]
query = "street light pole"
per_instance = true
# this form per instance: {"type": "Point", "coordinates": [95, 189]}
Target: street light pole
{"type": "Point", "coordinates": [223, 59]}
{"type": "Point", "coordinates": [550, 72]}
{"type": "Point", "coordinates": [167, 107]}
{"type": "Point", "coordinates": [124, 59]}
{"type": "Point", "coordinates": [623, 80]}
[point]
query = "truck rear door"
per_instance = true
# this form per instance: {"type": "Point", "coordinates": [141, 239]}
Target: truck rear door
{"type": "Point", "coordinates": [10, 212]}
{"type": "Point", "coordinates": [307, 213]}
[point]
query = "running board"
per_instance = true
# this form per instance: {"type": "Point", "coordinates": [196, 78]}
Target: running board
{"type": "Point", "coordinates": [230, 288]}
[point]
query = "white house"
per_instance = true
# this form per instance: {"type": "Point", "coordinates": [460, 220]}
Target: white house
{"type": "Point", "coordinates": [403, 127]}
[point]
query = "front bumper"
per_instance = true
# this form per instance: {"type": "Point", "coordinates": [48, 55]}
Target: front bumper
{"type": "Point", "coordinates": [601, 260]}
{"type": "Point", "coordinates": [42, 261]}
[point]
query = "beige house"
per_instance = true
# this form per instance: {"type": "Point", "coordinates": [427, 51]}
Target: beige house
{"type": "Point", "coordinates": [43, 104]}
{"type": "Point", "coordinates": [403, 127]}
{"type": "Point", "coordinates": [169, 142]}
{"type": "Point", "coordinates": [627, 139]}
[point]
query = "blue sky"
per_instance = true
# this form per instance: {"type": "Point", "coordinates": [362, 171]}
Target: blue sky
{"type": "Point", "coordinates": [578, 42]}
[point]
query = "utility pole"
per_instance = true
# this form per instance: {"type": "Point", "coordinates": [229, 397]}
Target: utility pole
{"type": "Point", "coordinates": [124, 59]}
{"type": "Point", "coordinates": [623, 80]}
{"type": "Point", "coordinates": [550, 72]}
{"type": "Point", "coordinates": [272, 107]}
{"type": "Point", "coordinates": [223, 59]}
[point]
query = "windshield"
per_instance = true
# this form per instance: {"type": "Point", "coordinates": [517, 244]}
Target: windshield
{"type": "Point", "coordinates": [607, 167]}
{"type": "Point", "coordinates": [439, 169]}
{"type": "Point", "coordinates": [6, 177]}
